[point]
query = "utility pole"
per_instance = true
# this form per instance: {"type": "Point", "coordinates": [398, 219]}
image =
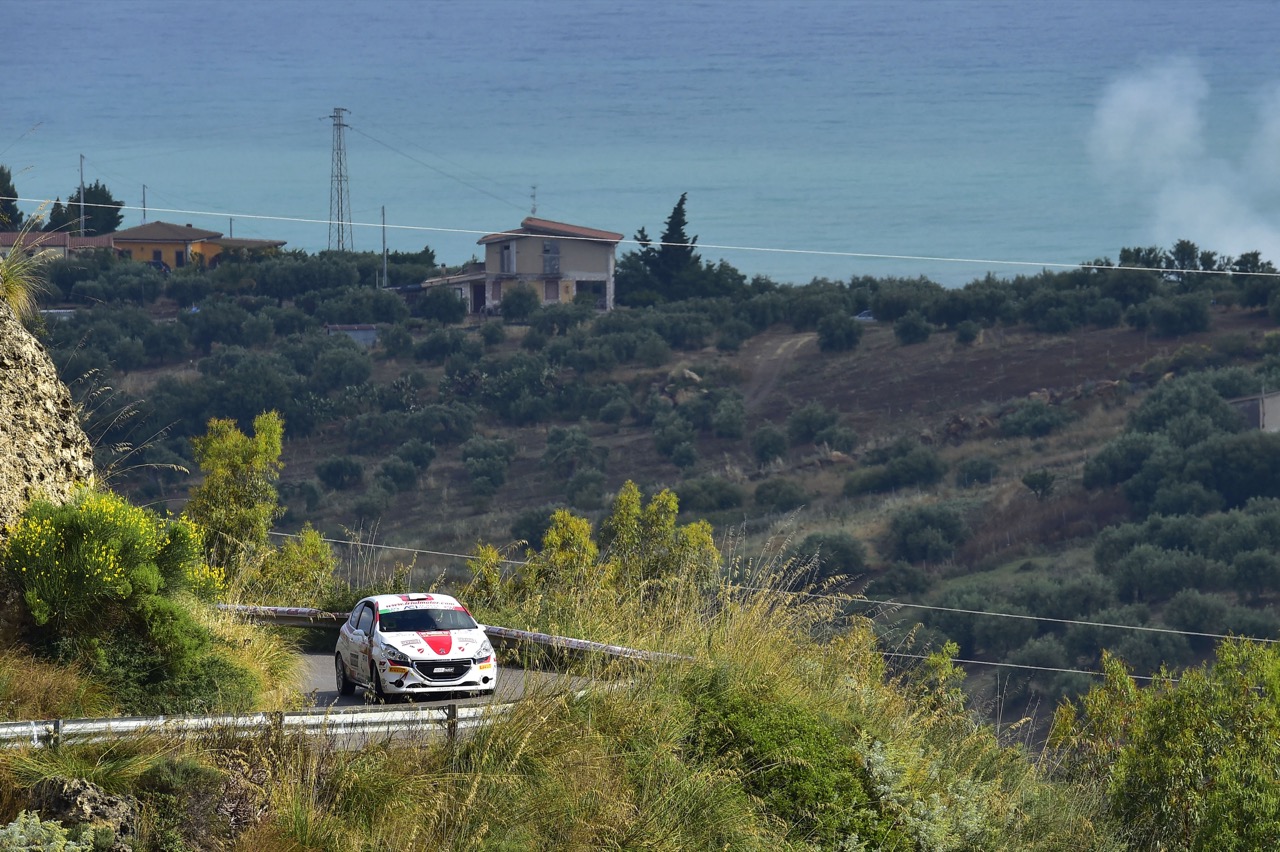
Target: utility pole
{"type": "Point", "coordinates": [339, 200]}
{"type": "Point", "coordinates": [231, 230]}
{"type": "Point", "coordinates": [82, 195]}
{"type": "Point", "coordinates": [144, 204]}
{"type": "Point", "coordinates": [384, 245]}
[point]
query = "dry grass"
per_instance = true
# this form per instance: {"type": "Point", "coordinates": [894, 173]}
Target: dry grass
{"type": "Point", "coordinates": [270, 655]}
{"type": "Point", "coordinates": [33, 689]}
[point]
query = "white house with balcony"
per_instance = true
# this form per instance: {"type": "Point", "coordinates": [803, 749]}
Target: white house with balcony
{"type": "Point", "coordinates": [560, 262]}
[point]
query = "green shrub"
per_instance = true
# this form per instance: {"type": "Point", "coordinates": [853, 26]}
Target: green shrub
{"type": "Point", "coordinates": [1031, 418]}
{"type": "Point", "coordinates": [768, 443]}
{"type": "Point", "coordinates": [398, 474]}
{"type": "Point", "coordinates": [492, 333]}
{"type": "Point", "coordinates": [925, 533]}
{"type": "Point", "coordinates": [730, 418]}
{"type": "Point", "coordinates": [29, 832]}
{"type": "Point", "coordinates": [804, 424]}
{"type": "Point", "coordinates": [780, 495]}
{"type": "Point", "coordinates": [838, 332]}
{"type": "Point", "coordinates": [442, 305]}
{"type": "Point", "coordinates": [710, 494]}
{"type": "Point", "coordinates": [912, 328]}
{"type": "Point", "coordinates": [614, 410]}
{"type": "Point", "coordinates": [979, 470]}
{"type": "Point", "coordinates": [903, 464]}
{"type": "Point", "coordinates": [486, 461]}
{"type": "Point", "coordinates": [967, 332]}
{"type": "Point", "coordinates": [670, 430]}
{"type": "Point", "coordinates": [840, 438]}
{"type": "Point", "coordinates": [519, 303]}
{"type": "Point", "coordinates": [836, 553]}
{"type": "Point", "coordinates": [417, 452]}
{"type": "Point", "coordinates": [341, 472]}
{"type": "Point", "coordinates": [531, 525]}
{"type": "Point", "coordinates": [396, 342]}
{"type": "Point", "coordinates": [792, 758]}
{"type": "Point", "coordinates": [585, 489]}
{"type": "Point", "coordinates": [684, 455]}
{"type": "Point", "coordinates": [77, 564]}
{"type": "Point", "coordinates": [900, 578]}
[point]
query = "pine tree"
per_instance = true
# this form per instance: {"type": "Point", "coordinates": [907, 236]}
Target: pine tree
{"type": "Point", "coordinates": [59, 219]}
{"type": "Point", "coordinates": [10, 215]}
{"type": "Point", "coordinates": [676, 254]}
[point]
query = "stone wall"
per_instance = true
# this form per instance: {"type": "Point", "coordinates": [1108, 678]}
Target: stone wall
{"type": "Point", "coordinates": [43, 451]}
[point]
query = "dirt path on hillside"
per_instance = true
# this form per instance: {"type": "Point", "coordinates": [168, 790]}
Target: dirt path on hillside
{"type": "Point", "coordinates": [766, 366]}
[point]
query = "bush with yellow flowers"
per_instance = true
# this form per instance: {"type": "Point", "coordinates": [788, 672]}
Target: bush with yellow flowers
{"type": "Point", "coordinates": [111, 586]}
{"type": "Point", "coordinates": [81, 561]}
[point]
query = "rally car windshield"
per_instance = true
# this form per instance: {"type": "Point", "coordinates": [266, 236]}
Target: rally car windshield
{"type": "Point", "coordinates": [423, 620]}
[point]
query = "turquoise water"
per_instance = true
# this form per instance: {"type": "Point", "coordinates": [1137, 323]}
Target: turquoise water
{"type": "Point", "coordinates": [978, 129]}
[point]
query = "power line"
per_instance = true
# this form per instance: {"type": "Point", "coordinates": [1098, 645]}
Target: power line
{"type": "Point", "coordinates": [1016, 666]}
{"type": "Point", "coordinates": [403, 549]}
{"type": "Point", "coordinates": [439, 171]}
{"type": "Point", "coordinates": [1067, 621]}
{"type": "Point", "coordinates": [866, 601]}
{"type": "Point", "coordinates": [895, 654]}
{"type": "Point", "coordinates": [223, 214]}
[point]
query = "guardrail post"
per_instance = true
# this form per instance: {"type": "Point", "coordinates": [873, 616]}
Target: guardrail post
{"type": "Point", "coordinates": [55, 739]}
{"type": "Point", "coordinates": [451, 723]}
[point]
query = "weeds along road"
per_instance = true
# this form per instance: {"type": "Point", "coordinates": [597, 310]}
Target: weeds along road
{"type": "Point", "coordinates": [513, 685]}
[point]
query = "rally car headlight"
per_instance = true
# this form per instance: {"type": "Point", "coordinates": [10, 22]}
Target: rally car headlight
{"type": "Point", "coordinates": [395, 657]}
{"type": "Point", "coordinates": [484, 652]}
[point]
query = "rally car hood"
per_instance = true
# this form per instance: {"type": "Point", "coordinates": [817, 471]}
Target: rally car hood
{"type": "Point", "coordinates": [436, 644]}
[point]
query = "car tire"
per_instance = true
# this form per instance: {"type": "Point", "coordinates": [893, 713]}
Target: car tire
{"type": "Point", "coordinates": [345, 685]}
{"type": "Point", "coordinates": [375, 681]}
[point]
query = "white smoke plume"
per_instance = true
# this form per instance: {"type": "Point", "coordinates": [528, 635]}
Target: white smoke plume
{"type": "Point", "coordinates": [1148, 138]}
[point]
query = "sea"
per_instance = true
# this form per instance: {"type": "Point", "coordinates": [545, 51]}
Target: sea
{"type": "Point", "coordinates": [814, 138]}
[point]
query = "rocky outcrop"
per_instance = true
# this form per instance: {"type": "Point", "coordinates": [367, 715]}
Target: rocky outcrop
{"type": "Point", "coordinates": [76, 803]}
{"type": "Point", "coordinates": [43, 451]}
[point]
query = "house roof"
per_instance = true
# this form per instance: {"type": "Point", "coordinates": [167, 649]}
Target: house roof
{"type": "Point", "coordinates": [238, 243]}
{"type": "Point", "coordinates": [164, 232]}
{"type": "Point", "coordinates": [534, 227]}
{"type": "Point", "coordinates": [53, 239]}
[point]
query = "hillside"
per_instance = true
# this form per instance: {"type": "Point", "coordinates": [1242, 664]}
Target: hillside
{"type": "Point", "coordinates": [937, 457]}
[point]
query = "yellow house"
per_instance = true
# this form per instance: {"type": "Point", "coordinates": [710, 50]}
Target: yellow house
{"type": "Point", "coordinates": [559, 261]}
{"type": "Point", "coordinates": [175, 246]}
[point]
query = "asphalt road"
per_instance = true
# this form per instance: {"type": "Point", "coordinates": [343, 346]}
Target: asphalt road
{"type": "Point", "coordinates": [320, 683]}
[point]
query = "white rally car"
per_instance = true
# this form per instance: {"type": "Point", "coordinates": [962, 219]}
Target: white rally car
{"type": "Point", "coordinates": [414, 644]}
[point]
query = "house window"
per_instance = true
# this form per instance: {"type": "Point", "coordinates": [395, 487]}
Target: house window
{"type": "Point", "coordinates": [157, 256]}
{"type": "Point", "coordinates": [508, 262]}
{"type": "Point", "coordinates": [551, 291]}
{"type": "Point", "coordinates": [179, 258]}
{"type": "Point", "coordinates": [550, 257]}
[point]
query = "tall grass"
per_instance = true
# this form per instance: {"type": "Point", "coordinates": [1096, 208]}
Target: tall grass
{"type": "Point", "coordinates": [780, 730]}
{"type": "Point", "coordinates": [33, 689]}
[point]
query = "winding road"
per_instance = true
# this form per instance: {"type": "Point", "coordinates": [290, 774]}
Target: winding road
{"type": "Point", "coordinates": [513, 684]}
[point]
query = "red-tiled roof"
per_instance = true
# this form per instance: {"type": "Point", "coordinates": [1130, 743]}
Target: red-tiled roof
{"type": "Point", "coordinates": [534, 227]}
{"type": "Point", "coordinates": [164, 232]}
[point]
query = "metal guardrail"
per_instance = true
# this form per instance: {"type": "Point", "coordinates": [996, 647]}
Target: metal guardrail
{"type": "Point", "coordinates": [293, 616]}
{"type": "Point", "coordinates": [448, 720]}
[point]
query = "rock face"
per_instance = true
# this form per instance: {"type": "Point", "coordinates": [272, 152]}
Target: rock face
{"type": "Point", "coordinates": [74, 802]}
{"type": "Point", "coordinates": [43, 451]}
